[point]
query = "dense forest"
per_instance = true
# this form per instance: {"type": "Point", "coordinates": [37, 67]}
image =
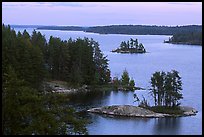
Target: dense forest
{"type": "Point", "coordinates": [131, 29]}
{"type": "Point", "coordinates": [191, 38]}
{"type": "Point", "coordinates": [27, 62]}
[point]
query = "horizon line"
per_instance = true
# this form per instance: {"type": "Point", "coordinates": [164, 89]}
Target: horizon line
{"type": "Point", "coordinates": [105, 25]}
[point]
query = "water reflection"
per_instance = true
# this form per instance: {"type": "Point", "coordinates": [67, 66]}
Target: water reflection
{"type": "Point", "coordinates": [120, 98]}
{"type": "Point", "coordinates": [117, 125]}
{"type": "Point", "coordinates": [89, 99]}
{"type": "Point", "coordinates": [92, 99]}
{"type": "Point", "coordinates": [168, 126]}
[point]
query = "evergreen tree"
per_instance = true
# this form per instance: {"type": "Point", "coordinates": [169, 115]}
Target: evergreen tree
{"type": "Point", "coordinates": [177, 87]}
{"type": "Point", "coordinates": [125, 79]}
{"type": "Point", "coordinates": [102, 71]}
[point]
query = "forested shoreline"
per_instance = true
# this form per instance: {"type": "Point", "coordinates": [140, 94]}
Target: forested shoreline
{"type": "Point", "coordinates": [28, 62]}
{"type": "Point", "coordinates": [144, 29]}
{"type": "Point", "coordinates": [190, 38]}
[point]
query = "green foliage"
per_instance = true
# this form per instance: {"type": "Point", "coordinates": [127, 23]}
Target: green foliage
{"type": "Point", "coordinates": [193, 38]}
{"type": "Point", "coordinates": [26, 62]}
{"type": "Point", "coordinates": [18, 52]}
{"type": "Point", "coordinates": [125, 78]}
{"type": "Point", "coordinates": [167, 110]}
{"type": "Point", "coordinates": [19, 104]}
{"type": "Point", "coordinates": [102, 71]}
{"type": "Point", "coordinates": [77, 61]}
{"type": "Point", "coordinates": [27, 112]}
{"type": "Point", "coordinates": [131, 46]}
{"type": "Point", "coordinates": [132, 84]}
{"type": "Point", "coordinates": [124, 83]}
{"type": "Point", "coordinates": [166, 88]}
{"type": "Point", "coordinates": [116, 83]}
{"type": "Point", "coordinates": [26, 109]}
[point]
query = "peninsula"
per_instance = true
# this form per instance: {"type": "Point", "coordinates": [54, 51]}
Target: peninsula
{"type": "Point", "coordinates": [189, 38]}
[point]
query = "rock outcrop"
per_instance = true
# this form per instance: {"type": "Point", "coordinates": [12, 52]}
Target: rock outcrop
{"type": "Point", "coordinates": [60, 87]}
{"type": "Point", "coordinates": [134, 111]}
{"type": "Point", "coordinates": [188, 111]}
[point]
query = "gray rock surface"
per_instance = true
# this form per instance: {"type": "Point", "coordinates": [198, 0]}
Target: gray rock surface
{"type": "Point", "coordinates": [188, 111]}
{"type": "Point", "coordinates": [56, 87]}
{"type": "Point", "coordinates": [134, 111]}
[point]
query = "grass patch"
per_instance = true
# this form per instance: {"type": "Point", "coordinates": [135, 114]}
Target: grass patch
{"type": "Point", "coordinates": [167, 110]}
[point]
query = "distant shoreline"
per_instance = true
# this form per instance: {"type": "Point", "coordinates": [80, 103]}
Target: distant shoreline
{"type": "Point", "coordinates": [121, 29]}
{"type": "Point", "coordinates": [183, 43]}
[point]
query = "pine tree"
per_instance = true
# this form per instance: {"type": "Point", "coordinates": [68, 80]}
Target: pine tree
{"type": "Point", "coordinates": [101, 64]}
{"type": "Point", "coordinates": [125, 79]}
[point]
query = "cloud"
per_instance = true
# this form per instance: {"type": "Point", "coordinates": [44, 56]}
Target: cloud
{"type": "Point", "coordinates": [184, 3]}
{"type": "Point", "coordinates": [54, 4]}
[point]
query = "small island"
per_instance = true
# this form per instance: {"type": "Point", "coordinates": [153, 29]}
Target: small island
{"type": "Point", "coordinates": [131, 46]}
{"type": "Point", "coordinates": [136, 111]}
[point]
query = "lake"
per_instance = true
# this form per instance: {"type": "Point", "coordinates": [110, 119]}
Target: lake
{"type": "Point", "coordinates": [186, 59]}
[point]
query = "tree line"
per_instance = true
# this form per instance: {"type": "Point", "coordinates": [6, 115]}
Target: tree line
{"type": "Point", "coordinates": [77, 61]}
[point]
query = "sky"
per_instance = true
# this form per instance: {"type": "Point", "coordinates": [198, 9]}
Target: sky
{"type": "Point", "coordinates": [102, 13]}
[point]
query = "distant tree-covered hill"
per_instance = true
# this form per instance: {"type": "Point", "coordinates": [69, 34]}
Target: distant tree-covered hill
{"type": "Point", "coordinates": [69, 28]}
{"type": "Point", "coordinates": [143, 29]}
{"type": "Point", "coordinates": [130, 29]}
{"type": "Point", "coordinates": [123, 29]}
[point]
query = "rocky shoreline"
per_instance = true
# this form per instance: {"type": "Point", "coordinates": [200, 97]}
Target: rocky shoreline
{"type": "Point", "coordinates": [183, 43]}
{"type": "Point", "coordinates": [60, 87]}
{"type": "Point", "coordinates": [128, 51]}
{"type": "Point", "coordinates": [134, 111]}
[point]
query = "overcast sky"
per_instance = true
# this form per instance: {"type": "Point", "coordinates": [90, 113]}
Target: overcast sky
{"type": "Point", "coordinates": [102, 13]}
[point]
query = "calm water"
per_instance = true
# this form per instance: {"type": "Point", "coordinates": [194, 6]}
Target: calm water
{"type": "Point", "coordinates": [160, 57]}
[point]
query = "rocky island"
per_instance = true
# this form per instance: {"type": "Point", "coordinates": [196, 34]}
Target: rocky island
{"type": "Point", "coordinates": [135, 111]}
{"type": "Point", "coordinates": [131, 46]}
